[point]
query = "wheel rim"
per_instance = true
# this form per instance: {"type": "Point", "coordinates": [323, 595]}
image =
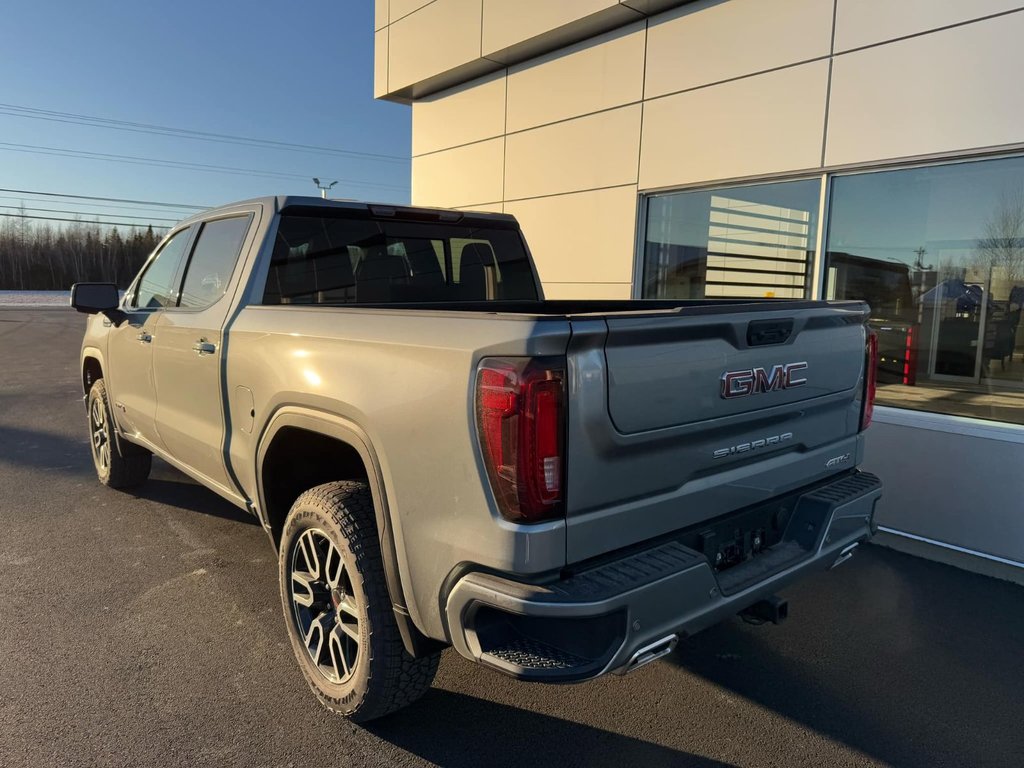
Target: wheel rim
{"type": "Point", "coordinates": [324, 605]}
{"type": "Point", "coordinates": [99, 434]}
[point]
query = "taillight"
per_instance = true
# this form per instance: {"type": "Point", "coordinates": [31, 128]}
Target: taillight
{"type": "Point", "coordinates": [520, 415]}
{"type": "Point", "coordinates": [870, 377]}
{"type": "Point", "coordinates": [910, 359]}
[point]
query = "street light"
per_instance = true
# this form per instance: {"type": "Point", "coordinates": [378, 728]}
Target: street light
{"type": "Point", "coordinates": [323, 187]}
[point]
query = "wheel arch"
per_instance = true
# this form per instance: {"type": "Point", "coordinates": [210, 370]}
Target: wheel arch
{"type": "Point", "coordinates": [351, 457]}
{"type": "Point", "coordinates": [92, 367]}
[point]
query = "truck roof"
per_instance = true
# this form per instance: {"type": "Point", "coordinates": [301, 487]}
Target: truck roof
{"type": "Point", "coordinates": [276, 203]}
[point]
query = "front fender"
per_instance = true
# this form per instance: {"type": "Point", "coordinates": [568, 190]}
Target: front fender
{"type": "Point", "coordinates": [90, 352]}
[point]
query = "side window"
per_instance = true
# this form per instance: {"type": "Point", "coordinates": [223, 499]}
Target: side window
{"type": "Point", "coordinates": [316, 260]}
{"type": "Point", "coordinates": [157, 288]}
{"type": "Point", "coordinates": [213, 260]}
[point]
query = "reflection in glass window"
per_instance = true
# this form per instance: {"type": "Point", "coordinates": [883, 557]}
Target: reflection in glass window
{"type": "Point", "coordinates": [755, 241]}
{"type": "Point", "coordinates": [325, 256]}
{"type": "Point", "coordinates": [157, 287]}
{"type": "Point", "coordinates": [938, 253]}
{"type": "Point", "coordinates": [213, 261]}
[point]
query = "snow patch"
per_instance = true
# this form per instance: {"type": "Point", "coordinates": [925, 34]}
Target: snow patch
{"type": "Point", "coordinates": [35, 298]}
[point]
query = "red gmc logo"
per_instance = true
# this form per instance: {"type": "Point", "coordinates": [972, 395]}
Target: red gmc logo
{"type": "Point", "coordinates": [754, 381]}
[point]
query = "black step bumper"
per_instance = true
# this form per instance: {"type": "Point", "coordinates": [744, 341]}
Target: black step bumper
{"type": "Point", "coordinates": [616, 615]}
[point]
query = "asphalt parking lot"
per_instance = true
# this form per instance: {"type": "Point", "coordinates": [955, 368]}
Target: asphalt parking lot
{"type": "Point", "coordinates": [146, 630]}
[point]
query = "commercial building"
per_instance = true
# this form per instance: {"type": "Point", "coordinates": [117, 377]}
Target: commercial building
{"type": "Point", "coordinates": [863, 149]}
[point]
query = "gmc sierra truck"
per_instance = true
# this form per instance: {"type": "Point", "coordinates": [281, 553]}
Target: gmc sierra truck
{"type": "Point", "coordinates": [441, 457]}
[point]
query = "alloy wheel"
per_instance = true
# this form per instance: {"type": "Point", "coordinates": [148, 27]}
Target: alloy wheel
{"type": "Point", "coordinates": [100, 435]}
{"type": "Point", "coordinates": [324, 605]}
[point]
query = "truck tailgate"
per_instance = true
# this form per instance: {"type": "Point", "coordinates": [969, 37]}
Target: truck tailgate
{"type": "Point", "coordinates": [680, 417]}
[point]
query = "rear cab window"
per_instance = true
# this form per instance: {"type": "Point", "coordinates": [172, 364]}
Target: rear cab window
{"type": "Point", "coordinates": [346, 256]}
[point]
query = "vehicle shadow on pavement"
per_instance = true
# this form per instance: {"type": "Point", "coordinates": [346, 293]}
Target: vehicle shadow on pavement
{"type": "Point", "coordinates": [444, 728]}
{"type": "Point", "coordinates": [166, 485]}
{"type": "Point", "coordinates": [46, 451]}
{"type": "Point", "coordinates": [912, 662]}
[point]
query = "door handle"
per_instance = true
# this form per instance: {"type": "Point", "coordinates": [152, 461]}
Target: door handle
{"type": "Point", "coordinates": [204, 347]}
{"type": "Point", "coordinates": [144, 337]}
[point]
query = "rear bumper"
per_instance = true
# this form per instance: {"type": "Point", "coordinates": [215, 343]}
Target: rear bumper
{"type": "Point", "coordinates": [612, 616]}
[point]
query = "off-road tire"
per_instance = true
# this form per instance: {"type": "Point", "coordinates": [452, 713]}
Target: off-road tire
{"type": "Point", "coordinates": [383, 677]}
{"type": "Point", "coordinates": [119, 464]}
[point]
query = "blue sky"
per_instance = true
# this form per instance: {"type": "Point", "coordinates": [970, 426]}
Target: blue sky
{"type": "Point", "coordinates": [299, 73]}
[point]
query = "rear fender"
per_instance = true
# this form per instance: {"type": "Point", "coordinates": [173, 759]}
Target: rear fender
{"type": "Point", "coordinates": [351, 434]}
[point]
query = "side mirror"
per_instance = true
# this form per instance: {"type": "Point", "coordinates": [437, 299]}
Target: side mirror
{"type": "Point", "coordinates": [96, 298]}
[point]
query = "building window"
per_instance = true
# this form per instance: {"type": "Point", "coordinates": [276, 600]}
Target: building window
{"type": "Point", "coordinates": [753, 241]}
{"type": "Point", "coordinates": [938, 253]}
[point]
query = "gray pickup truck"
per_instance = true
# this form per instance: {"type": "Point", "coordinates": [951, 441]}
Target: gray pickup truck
{"type": "Point", "coordinates": [441, 457]}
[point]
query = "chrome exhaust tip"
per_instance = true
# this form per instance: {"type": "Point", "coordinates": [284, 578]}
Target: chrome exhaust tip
{"type": "Point", "coordinates": [845, 555]}
{"type": "Point", "coordinates": [651, 652]}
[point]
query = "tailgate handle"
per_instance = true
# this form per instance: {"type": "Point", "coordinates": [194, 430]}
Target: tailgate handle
{"type": "Point", "coordinates": [763, 332]}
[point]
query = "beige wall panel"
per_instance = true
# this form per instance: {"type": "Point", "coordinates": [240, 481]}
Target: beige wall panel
{"type": "Point", "coordinates": [434, 39]}
{"type": "Point", "coordinates": [380, 14]}
{"type": "Point", "coordinates": [491, 208]}
{"type": "Point", "coordinates": [940, 92]}
{"type": "Point", "coordinates": [601, 73]}
{"type": "Point", "coordinates": [651, 6]}
{"type": "Point", "coordinates": [460, 177]}
{"type": "Point", "coordinates": [708, 42]}
{"type": "Point", "coordinates": [586, 153]}
{"type": "Point", "coordinates": [763, 124]}
{"type": "Point", "coordinates": [583, 236]}
{"type": "Point", "coordinates": [569, 291]}
{"type": "Point", "coordinates": [507, 22]}
{"type": "Point", "coordinates": [402, 8]}
{"type": "Point", "coordinates": [467, 113]}
{"type": "Point", "coordinates": [863, 22]}
{"type": "Point", "coordinates": [380, 63]}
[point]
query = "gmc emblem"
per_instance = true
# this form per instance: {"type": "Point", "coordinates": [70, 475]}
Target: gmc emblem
{"type": "Point", "coordinates": [754, 381]}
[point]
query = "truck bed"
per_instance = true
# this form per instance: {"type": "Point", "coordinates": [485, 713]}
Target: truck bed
{"type": "Point", "coordinates": [564, 308]}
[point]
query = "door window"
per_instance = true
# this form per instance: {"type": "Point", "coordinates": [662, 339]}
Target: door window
{"type": "Point", "coordinates": [157, 286]}
{"type": "Point", "coordinates": [213, 260]}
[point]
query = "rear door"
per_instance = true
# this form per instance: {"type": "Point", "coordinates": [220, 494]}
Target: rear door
{"type": "Point", "coordinates": [188, 349]}
{"type": "Point", "coordinates": [680, 417]}
{"type": "Point", "coordinates": [130, 344]}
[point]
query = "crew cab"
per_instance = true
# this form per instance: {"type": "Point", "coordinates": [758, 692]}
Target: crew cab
{"type": "Point", "coordinates": [441, 457]}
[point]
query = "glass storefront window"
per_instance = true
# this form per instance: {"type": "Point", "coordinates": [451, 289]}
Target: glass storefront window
{"type": "Point", "coordinates": [753, 241]}
{"type": "Point", "coordinates": [938, 253]}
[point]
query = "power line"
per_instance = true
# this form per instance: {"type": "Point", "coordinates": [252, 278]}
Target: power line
{"type": "Point", "coordinates": [156, 162]}
{"type": "Point", "coordinates": [91, 204]}
{"type": "Point", "coordinates": [105, 199]}
{"type": "Point", "coordinates": [79, 221]}
{"type": "Point", "coordinates": [15, 110]}
{"type": "Point", "coordinates": [85, 213]}
{"type": "Point", "coordinates": [33, 149]}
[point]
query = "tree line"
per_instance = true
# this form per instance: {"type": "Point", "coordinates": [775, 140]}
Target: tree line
{"type": "Point", "coordinates": [39, 257]}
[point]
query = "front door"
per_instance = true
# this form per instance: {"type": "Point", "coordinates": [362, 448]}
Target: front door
{"type": "Point", "coordinates": [188, 354]}
{"type": "Point", "coordinates": [129, 367]}
{"type": "Point", "coordinates": [129, 372]}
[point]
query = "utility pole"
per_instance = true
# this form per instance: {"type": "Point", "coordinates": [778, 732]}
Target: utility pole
{"type": "Point", "coordinates": [922, 284]}
{"type": "Point", "coordinates": [323, 187]}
